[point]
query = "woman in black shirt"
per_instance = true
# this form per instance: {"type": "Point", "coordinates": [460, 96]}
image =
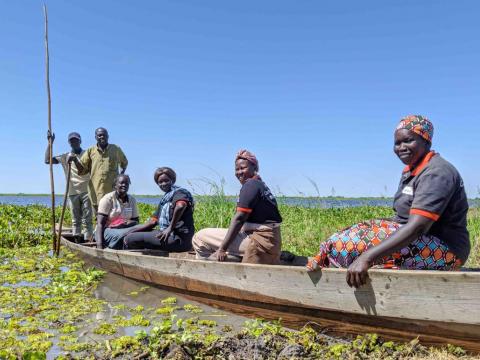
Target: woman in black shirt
{"type": "Point", "coordinates": [254, 232]}
{"type": "Point", "coordinates": [429, 229]}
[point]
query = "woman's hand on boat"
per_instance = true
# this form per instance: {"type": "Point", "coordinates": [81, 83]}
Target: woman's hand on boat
{"type": "Point", "coordinates": [164, 235]}
{"type": "Point", "coordinates": [220, 254]}
{"type": "Point", "coordinates": [357, 272]}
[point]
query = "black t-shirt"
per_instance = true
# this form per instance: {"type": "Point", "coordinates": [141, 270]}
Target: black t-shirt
{"type": "Point", "coordinates": [185, 226]}
{"type": "Point", "coordinates": [257, 200]}
{"type": "Point", "coordinates": [435, 190]}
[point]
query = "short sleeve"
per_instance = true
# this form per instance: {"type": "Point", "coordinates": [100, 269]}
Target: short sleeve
{"type": "Point", "coordinates": [86, 162]}
{"type": "Point", "coordinates": [249, 196]}
{"type": "Point", "coordinates": [122, 158]}
{"type": "Point", "coordinates": [134, 207]}
{"type": "Point", "coordinates": [105, 206]}
{"type": "Point", "coordinates": [181, 195]}
{"type": "Point", "coordinates": [62, 159]}
{"type": "Point", "coordinates": [433, 193]}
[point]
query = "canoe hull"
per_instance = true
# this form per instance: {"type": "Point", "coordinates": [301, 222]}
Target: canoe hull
{"type": "Point", "coordinates": [437, 307]}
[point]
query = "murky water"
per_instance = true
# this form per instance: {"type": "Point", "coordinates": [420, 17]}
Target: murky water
{"type": "Point", "coordinates": [117, 290]}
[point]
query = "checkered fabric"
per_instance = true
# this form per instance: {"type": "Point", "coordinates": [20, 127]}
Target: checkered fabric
{"type": "Point", "coordinates": [344, 247]}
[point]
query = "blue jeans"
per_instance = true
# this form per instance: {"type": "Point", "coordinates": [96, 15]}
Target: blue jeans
{"type": "Point", "coordinates": [114, 237]}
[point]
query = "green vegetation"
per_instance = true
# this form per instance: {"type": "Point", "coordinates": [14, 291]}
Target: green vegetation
{"type": "Point", "coordinates": [302, 229]}
{"type": "Point", "coordinates": [48, 303]}
{"type": "Point", "coordinates": [41, 296]}
{"type": "Point", "coordinates": [26, 225]}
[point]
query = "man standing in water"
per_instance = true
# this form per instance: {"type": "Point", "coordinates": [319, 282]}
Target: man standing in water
{"type": "Point", "coordinates": [79, 202]}
{"type": "Point", "coordinates": [101, 161]}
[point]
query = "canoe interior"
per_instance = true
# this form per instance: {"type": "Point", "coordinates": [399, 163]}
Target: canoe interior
{"type": "Point", "coordinates": [224, 286]}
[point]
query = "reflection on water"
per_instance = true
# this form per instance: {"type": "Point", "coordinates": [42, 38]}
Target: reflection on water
{"type": "Point", "coordinates": [116, 289]}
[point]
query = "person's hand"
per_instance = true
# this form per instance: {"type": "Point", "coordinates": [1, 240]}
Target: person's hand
{"type": "Point", "coordinates": [129, 223]}
{"type": "Point", "coordinates": [220, 254]}
{"type": "Point", "coordinates": [164, 235]}
{"type": "Point", "coordinates": [357, 272]}
{"type": "Point", "coordinates": [50, 136]}
{"type": "Point", "coordinates": [71, 157]}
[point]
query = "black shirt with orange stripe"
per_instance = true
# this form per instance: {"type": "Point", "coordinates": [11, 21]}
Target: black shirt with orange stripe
{"type": "Point", "coordinates": [257, 200]}
{"type": "Point", "coordinates": [435, 189]}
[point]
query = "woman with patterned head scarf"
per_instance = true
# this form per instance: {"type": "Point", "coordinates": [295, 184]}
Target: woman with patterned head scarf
{"type": "Point", "coordinates": [254, 232]}
{"type": "Point", "coordinates": [429, 229]}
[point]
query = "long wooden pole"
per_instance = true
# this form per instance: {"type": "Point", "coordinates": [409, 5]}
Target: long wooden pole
{"type": "Point", "coordinates": [50, 142]}
{"type": "Point", "coordinates": [57, 246]}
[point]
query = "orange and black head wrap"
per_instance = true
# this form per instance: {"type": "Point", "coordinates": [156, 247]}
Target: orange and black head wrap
{"type": "Point", "coordinates": [418, 124]}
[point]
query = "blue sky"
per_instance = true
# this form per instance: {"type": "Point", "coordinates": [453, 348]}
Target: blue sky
{"type": "Point", "coordinates": [314, 88]}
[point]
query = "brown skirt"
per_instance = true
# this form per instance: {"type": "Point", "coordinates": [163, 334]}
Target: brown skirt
{"type": "Point", "coordinates": [265, 245]}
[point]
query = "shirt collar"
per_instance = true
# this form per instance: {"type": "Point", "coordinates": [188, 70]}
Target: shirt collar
{"type": "Point", "coordinates": [120, 200]}
{"type": "Point", "coordinates": [100, 149]}
{"type": "Point", "coordinates": [416, 170]}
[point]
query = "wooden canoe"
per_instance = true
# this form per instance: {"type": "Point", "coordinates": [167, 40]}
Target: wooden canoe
{"type": "Point", "coordinates": [437, 307]}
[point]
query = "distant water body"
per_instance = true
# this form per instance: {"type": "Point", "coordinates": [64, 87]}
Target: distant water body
{"type": "Point", "coordinates": [292, 201]}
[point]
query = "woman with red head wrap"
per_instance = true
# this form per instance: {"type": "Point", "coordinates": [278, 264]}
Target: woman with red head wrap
{"type": "Point", "coordinates": [429, 229]}
{"type": "Point", "coordinates": [250, 157]}
{"type": "Point", "coordinates": [254, 232]}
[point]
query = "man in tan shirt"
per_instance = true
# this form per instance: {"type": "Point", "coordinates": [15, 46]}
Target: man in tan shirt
{"type": "Point", "coordinates": [102, 162]}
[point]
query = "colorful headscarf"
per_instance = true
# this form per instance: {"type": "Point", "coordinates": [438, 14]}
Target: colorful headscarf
{"type": "Point", "coordinates": [419, 125]}
{"type": "Point", "coordinates": [249, 156]}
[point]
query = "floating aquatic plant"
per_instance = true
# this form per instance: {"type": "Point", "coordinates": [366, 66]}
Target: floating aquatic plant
{"type": "Point", "coordinates": [105, 329]}
{"type": "Point", "coordinates": [192, 308]}
{"type": "Point", "coordinates": [169, 300]}
{"type": "Point", "coordinates": [166, 310]}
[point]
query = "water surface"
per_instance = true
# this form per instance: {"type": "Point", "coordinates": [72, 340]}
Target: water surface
{"type": "Point", "coordinates": [293, 201]}
{"type": "Point", "coordinates": [311, 202]}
